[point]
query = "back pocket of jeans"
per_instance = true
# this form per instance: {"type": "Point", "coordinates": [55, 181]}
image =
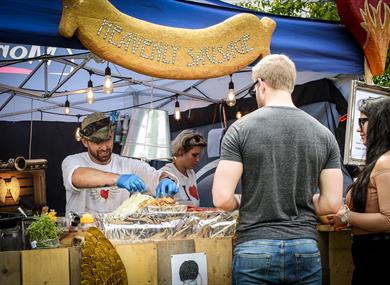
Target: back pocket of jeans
{"type": "Point", "coordinates": [307, 264]}
{"type": "Point", "coordinates": [253, 263]}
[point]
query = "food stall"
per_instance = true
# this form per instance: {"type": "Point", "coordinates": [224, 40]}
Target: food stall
{"type": "Point", "coordinates": [143, 238]}
{"type": "Point", "coordinates": [145, 242]}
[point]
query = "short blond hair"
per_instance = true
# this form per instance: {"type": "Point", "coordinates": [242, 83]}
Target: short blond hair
{"type": "Point", "coordinates": [187, 140]}
{"type": "Point", "coordinates": [277, 70]}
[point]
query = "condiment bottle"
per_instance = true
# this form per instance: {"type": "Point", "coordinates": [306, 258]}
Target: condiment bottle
{"type": "Point", "coordinates": [86, 221]}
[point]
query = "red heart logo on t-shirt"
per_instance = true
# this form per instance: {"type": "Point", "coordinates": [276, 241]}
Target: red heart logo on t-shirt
{"type": "Point", "coordinates": [104, 194]}
{"type": "Point", "coordinates": [193, 192]}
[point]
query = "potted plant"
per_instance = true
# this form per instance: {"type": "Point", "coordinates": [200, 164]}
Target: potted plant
{"type": "Point", "coordinates": [44, 232]}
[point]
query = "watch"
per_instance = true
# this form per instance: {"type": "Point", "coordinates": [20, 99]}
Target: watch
{"type": "Point", "coordinates": [345, 217]}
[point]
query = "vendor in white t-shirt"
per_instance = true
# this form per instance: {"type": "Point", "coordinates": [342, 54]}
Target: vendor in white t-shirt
{"type": "Point", "coordinates": [187, 148]}
{"type": "Point", "coordinates": [98, 181]}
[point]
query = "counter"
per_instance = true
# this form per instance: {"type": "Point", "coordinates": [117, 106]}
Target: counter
{"type": "Point", "coordinates": [336, 256]}
{"type": "Point", "coordinates": [145, 262]}
{"type": "Point", "coordinates": [149, 262]}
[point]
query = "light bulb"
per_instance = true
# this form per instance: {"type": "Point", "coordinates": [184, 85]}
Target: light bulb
{"type": "Point", "coordinates": [77, 134]}
{"type": "Point", "coordinates": [238, 115]}
{"type": "Point", "coordinates": [177, 111]}
{"type": "Point", "coordinates": [67, 106]}
{"type": "Point", "coordinates": [90, 95]}
{"type": "Point", "coordinates": [108, 87]}
{"type": "Point", "coordinates": [231, 97]}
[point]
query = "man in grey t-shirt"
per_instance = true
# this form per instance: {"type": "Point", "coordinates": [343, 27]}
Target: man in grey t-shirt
{"type": "Point", "coordinates": [282, 155]}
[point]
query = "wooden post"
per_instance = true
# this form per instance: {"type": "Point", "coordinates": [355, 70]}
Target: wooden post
{"type": "Point", "coordinates": [219, 254]}
{"type": "Point", "coordinates": [164, 251]}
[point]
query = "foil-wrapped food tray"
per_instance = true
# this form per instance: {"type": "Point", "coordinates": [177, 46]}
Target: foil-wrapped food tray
{"type": "Point", "coordinates": [167, 225]}
{"type": "Point", "coordinates": [166, 209]}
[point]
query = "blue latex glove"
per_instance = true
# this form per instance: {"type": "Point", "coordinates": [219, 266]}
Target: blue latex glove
{"type": "Point", "coordinates": [166, 187]}
{"type": "Point", "coordinates": [131, 182]}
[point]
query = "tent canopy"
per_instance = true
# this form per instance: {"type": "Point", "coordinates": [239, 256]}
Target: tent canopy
{"type": "Point", "coordinates": [312, 45]}
{"type": "Point", "coordinates": [319, 49]}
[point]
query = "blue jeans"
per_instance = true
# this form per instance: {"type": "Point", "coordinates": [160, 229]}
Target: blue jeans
{"type": "Point", "coordinates": [264, 261]}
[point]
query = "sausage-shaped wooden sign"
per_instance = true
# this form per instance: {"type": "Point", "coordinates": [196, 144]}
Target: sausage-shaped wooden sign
{"type": "Point", "coordinates": [166, 52]}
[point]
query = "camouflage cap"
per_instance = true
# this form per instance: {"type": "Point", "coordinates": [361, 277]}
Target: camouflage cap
{"type": "Point", "coordinates": [96, 127]}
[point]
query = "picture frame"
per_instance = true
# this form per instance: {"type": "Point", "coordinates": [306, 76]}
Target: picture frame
{"type": "Point", "coordinates": [189, 268]}
{"type": "Point", "coordinates": [354, 149]}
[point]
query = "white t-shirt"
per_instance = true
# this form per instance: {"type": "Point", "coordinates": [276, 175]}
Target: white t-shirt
{"type": "Point", "coordinates": [104, 199]}
{"type": "Point", "coordinates": [188, 189]}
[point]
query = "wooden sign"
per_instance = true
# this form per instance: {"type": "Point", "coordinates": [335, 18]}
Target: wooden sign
{"type": "Point", "coordinates": [162, 51]}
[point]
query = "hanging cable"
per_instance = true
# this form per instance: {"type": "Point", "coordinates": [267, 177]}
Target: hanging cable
{"type": "Point", "coordinates": [177, 110]}
{"type": "Point", "coordinates": [90, 95]}
{"type": "Point", "coordinates": [108, 86]}
{"type": "Point", "coordinates": [67, 106]}
{"type": "Point", "coordinates": [231, 96]}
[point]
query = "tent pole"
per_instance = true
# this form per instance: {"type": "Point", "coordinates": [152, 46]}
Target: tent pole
{"type": "Point", "coordinates": [20, 85]}
{"type": "Point", "coordinates": [81, 65]}
{"type": "Point", "coordinates": [46, 78]}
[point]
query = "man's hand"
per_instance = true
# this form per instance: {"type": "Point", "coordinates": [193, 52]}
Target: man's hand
{"type": "Point", "coordinates": [131, 182]}
{"type": "Point", "coordinates": [166, 187]}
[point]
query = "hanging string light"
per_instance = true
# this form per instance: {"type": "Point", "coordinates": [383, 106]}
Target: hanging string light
{"type": "Point", "coordinates": [108, 87]}
{"type": "Point", "coordinates": [77, 134]}
{"type": "Point", "coordinates": [231, 97]}
{"type": "Point", "coordinates": [177, 110]}
{"type": "Point", "coordinates": [90, 95]}
{"type": "Point", "coordinates": [67, 106]}
{"type": "Point", "coordinates": [238, 115]}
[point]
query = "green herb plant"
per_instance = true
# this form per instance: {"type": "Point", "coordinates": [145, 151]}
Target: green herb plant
{"type": "Point", "coordinates": [43, 230]}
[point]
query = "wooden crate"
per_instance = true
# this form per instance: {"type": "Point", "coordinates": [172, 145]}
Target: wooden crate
{"type": "Point", "coordinates": [32, 184]}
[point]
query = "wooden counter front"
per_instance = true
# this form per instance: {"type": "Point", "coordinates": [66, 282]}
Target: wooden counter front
{"type": "Point", "coordinates": [145, 262]}
{"type": "Point", "coordinates": [149, 262]}
{"type": "Point", "coordinates": [336, 256]}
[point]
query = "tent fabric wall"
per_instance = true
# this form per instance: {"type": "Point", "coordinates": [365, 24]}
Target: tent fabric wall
{"type": "Point", "coordinates": [313, 45]}
{"type": "Point", "coordinates": [319, 49]}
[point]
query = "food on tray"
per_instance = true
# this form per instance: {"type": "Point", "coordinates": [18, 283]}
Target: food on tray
{"type": "Point", "coordinates": [132, 205]}
{"type": "Point", "coordinates": [162, 205]}
{"type": "Point", "coordinates": [166, 209]}
{"type": "Point", "coordinates": [162, 202]}
{"type": "Point", "coordinates": [201, 209]}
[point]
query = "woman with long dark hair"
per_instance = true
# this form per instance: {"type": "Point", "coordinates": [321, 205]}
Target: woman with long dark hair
{"type": "Point", "coordinates": [366, 107]}
{"type": "Point", "coordinates": [368, 200]}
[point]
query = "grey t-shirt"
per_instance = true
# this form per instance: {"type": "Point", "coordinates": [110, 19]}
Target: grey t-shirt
{"type": "Point", "coordinates": [283, 151]}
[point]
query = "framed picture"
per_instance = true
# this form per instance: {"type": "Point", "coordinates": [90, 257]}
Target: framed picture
{"type": "Point", "coordinates": [189, 269]}
{"type": "Point", "coordinates": [354, 149]}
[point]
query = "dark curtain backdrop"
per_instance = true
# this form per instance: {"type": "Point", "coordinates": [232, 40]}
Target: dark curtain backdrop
{"type": "Point", "coordinates": [55, 140]}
